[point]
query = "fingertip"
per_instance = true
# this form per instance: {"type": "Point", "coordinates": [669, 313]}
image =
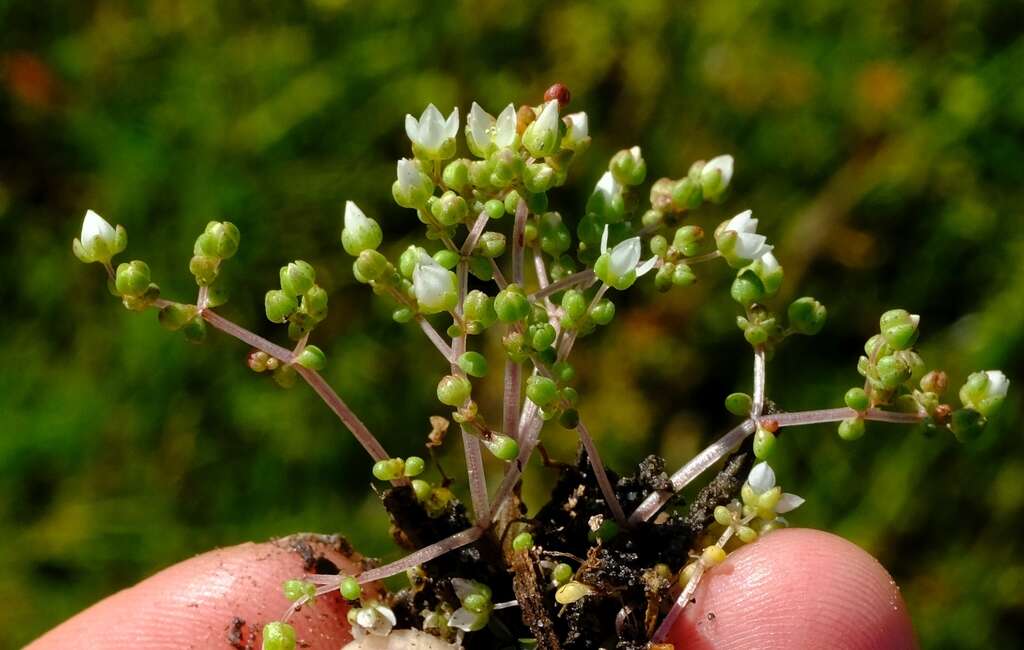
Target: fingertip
{"type": "Point", "coordinates": [220, 599]}
{"type": "Point", "coordinates": [793, 589]}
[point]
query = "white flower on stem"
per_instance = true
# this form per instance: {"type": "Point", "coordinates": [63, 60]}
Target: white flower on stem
{"type": "Point", "coordinates": [505, 132]}
{"type": "Point", "coordinates": [435, 287]}
{"type": "Point", "coordinates": [577, 136]}
{"type": "Point", "coordinates": [984, 391]}
{"type": "Point", "coordinates": [761, 482]}
{"type": "Point", "coordinates": [541, 136]}
{"type": "Point", "coordinates": [484, 133]}
{"type": "Point", "coordinates": [413, 187]}
{"type": "Point", "coordinates": [620, 266]}
{"type": "Point", "coordinates": [716, 175]}
{"type": "Point", "coordinates": [432, 135]}
{"type": "Point", "coordinates": [465, 618]}
{"type": "Point", "coordinates": [738, 240]}
{"type": "Point", "coordinates": [375, 619]}
{"type": "Point", "coordinates": [99, 241]}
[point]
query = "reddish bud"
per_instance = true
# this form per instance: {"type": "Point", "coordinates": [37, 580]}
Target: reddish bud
{"type": "Point", "coordinates": [559, 92]}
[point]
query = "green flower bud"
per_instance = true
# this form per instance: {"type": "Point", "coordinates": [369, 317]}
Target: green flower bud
{"type": "Point", "coordinates": [683, 275]}
{"type": "Point", "coordinates": [764, 443]}
{"type": "Point", "coordinates": [389, 469]}
{"type": "Point", "coordinates": [279, 305]}
{"type": "Point", "coordinates": [502, 447]}
{"type": "Point", "coordinates": [312, 357]}
{"type": "Point", "coordinates": [456, 174]}
{"type": "Point", "coordinates": [738, 404]}
{"type": "Point", "coordinates": [562, 573]}
{"type": "Point", "coordinates": [538, 177]}
{"type": "Point", "coordinates": [934, 382]}
{"type": "Point", "coordinates": [806, 315]}
{"type": "Point", "coordinates": [659, 245]}
{"type": "Point", "coordinates": [607, 202]}
{"type": "Point", "coordinates": [194, 330]}
{"type": "Point", "coordinates": [663, 277]}
{"type": "Point", "coordinates": [413, 187]}
{"type": "Point", "coordinates": [414, 466]}
{"type": "Point", "coordinates": [453, 390]}
{"type": "Point", "coordinates": [491, 245]}
{"type": "Point", "coordinates": [278, 636]}
{"type": "Point", "coordinates": [686, 194]}
{"type": "Point", "coordinates": [132, 278]}
{"type": "Point", "coordinates": [422, 489]}
{"type": "Point", "coordinates": [984, 391]}
{"type": "Point", "coordinates": [542, 136]}
{"type": "Point", "coordinates": [603, 312]}
{"type": "Point", "coordinates": [360, 233]}
{"type": "Point", "coordinates": [756, 334]}
{"type": "Point", "coordinates": [554, 235]}
{"type": "Point", "coordinates": [628, 166]}
{"type": "Point", "coordinates": [204, 268]}
{"type": "Point", "coordinates": [541, 390]}
{"type": "Point", "coordinates": [857, 399]}
{"type": "Point", "coordinates": [569, 419]}
{"type": "Point", "coordinates": [767, 268]}
{"type": "Point", "coordinates": [175, 315]}
{"type": "Point", "coordinates": [967, 424]}
{"type": "Point", "coordinates": [473, 364]}
{"type": "Point", "coordinates": [511, 304]}
{"type": "Point", "coordinates": [223, 240]}
{"type": "Point", "coordinates": [715, 176]}
{"type": "Point", "coordinates": [512, 202]}
{"type": "Point", "coordinates": [747, 288]}
{"type": "Point", "coordinates": [899, 328]}
{"type": "Point", "coordinates": [350, 588]}
{"type": "Point", "coordinates": [574, 303]}
{"type": "Point", "coordinates": [285, 376]}
{"type": "Point", "coordinates": [542, 336]}
{"type": "Point", "coordinates": [892, 371]}
{"type": "Point", "coordinates": [571, 592]}
{"type": "Point", "coordinates": [450, 209]}
{"type": "Point", "coordinates": [723, 516]}
{"type": "Point", "coordinates": [851, 428]}
{"type": "Point", "coordinates": [522, 542]}
{"type": "Point", "coordinates": [477, 602]}
{"type": "Point", "coordinates": [687, 240]}
{"type": "Point", "coordinates": [478, 306]}
{"type": "Point", "coordinates": [505, 168]}
{"type": "Point", "coordinates": [495, 209]}
{"type": "Point", "coordinates": [296, 589]}
{"type": "Point", "coordinates": [297, 278]}
{"type": "Point", "coordinates": [370, 266]}
{"type": "Point", "coordinates": [314, 302]}
{"type": "Point", "coordinates": [447, 258]}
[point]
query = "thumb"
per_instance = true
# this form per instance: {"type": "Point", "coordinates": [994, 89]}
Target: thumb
{"type": "Point", "coordinates": [219, 600]}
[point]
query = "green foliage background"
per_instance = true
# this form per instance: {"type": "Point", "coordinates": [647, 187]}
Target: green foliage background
{"type": "Point", "coordinates": [881, 144]}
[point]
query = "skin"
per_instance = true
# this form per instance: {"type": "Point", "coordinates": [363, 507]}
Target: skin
{"type": "Point", "coordinates": [793, 589]}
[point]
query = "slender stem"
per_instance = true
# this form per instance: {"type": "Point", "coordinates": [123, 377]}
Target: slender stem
{"type": "Point", "coordinates": [435, 338]}
{"type": "Point", "coordinates": [474, 234]}
{"type": "Point", "coordinates": [499, 277]}
{"type": "Point", "coordinates": [518, 242]}
{"type": "Point", "coordinates": [425, 554]}
{"type": "Point", "coordinates": [203, 297]}
{"type": "Point", "coordinates": [244, 335]}
{"type": "Point", "coordinates": [759, 382]}
{"type": "Point", "coordinates": [512, 398]}
{"type": "Point", "coordinates": [582, 277]}
{"type": "Point", "coordinates": [600, 474]}
{"type": "Point", "coordinates": [700, 259]}
{"type": "Point", "coordinates": [529, 435]}
{"type": "Point", "coordinates": [836, 415]}
{"type": "Point", "coordinates": [692, 469]}
{"type": "Point", "coordinates": [542, 279]}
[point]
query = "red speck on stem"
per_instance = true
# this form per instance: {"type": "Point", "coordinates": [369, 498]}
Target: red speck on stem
{"type": "Point", "coordinates": [770, 425]}
{"type": "Point", "coordinates": [560, 92]}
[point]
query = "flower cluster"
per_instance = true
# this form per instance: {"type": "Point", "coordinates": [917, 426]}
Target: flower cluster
{"type": "Point", "coordinates": [496, 258]}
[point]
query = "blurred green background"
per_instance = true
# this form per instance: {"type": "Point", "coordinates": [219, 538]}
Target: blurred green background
{"type": "Point", "coordinates": [880, 143]}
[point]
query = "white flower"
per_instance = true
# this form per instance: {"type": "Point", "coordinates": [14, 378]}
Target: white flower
{"type": "Point", "coordinates": [618, 266]}
{"type": "Point", "coordinates": [479, 126]}
{"type": "Point", "coordinates": [360, 232]}
{"type": "Point", "coordinates": [505, 129]}
{"type": "Point", "coordinates": [432, 134]}
{"type": "Point", "coordinates": [762, 480]}
{"type": "Point", "coordinates": [998, 384]}
{"type": "Point", "coordinates": [748, 244]}
{"type": "Point", "coordinates": [99, 240]}
{"type": "Point", "coordinates": [716, 175]}
{"type": "Point", "coordinates": [375, 619]}
{"type": "Point", "coordinates": [435, 286]}
{"type": "Point", "coordinates": [541, 136]}
{"type": "Point", "coordinates": [465, 619]}
{"type": "Point", "coordinates": [577, 136]}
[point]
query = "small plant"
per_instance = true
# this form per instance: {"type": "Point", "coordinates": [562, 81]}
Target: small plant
{"type": "Point", "coordinates": [594, 567]}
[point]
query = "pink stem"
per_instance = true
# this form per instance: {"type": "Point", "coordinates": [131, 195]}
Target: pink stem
{"type": "Point", "coordinates": [518, 242]}
{"type": "Point", "coordinates": [581, 277]}
{"type": "Point", "coordinates": [600, 474]}
{"type": "Point", "coordinates": [425, 554]}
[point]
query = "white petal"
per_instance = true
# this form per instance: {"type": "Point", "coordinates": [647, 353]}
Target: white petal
{"type": "Point", "coordinates": [646, 266]}
{"type": "Point", "coordinates": [634, 153]}
{"type": "Point", "coordinates": [548, 118]}
{"type": "Point", "coordinates": [751, 246]}
{"type": "Point", "coordinates": [478, 122]}
{"type": "Point", "coordinates": [624, 257]}
{"type": "Point", "coordinates": [451, 126]}
{"type": "Point", "coordinates": [464, 588]}
{"type": "Point", "coordinates": [354, 217]}
{"type": "Point", "coordinates": [408, 174]}
{"type": "Point", "coordinates": [742, 223]}
{"type": "Point", "coordinates": [604, 240]}
{"type": "Point", "coordinates": [94, 226]}
{"type": "Point", "coordinates": [768, 263]}
{"type": "Point", "coordinates": [998, 384]}
{"type": "Point", "coordinates": [386, 613]}
{"type": "Point", "coordinates": [724, 165]}
{"type": "Point", "coordinates": [505, 130]}
{"type": "Point", "coordinates": [579, 126]}
{"type": "Point", "coordinates": [762, 478]}
{"type": "Point", "coordinates": [412, 128]}
{"type": "Point", "coordinates": [432, 128]}
{"type": "Point", "coordinates": [788, 502]}
{"type": "Point", "coordinates": [607, 186]}
{"type": "Point", "coordinates": [465, 620]}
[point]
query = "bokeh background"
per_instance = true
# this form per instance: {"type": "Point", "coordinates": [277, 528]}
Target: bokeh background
{"type": "Point", "coordinates": [880, 143]}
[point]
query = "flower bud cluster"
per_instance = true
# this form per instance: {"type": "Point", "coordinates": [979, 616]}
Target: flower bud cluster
{"type": "Point", "coordinates": [300, 301]}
